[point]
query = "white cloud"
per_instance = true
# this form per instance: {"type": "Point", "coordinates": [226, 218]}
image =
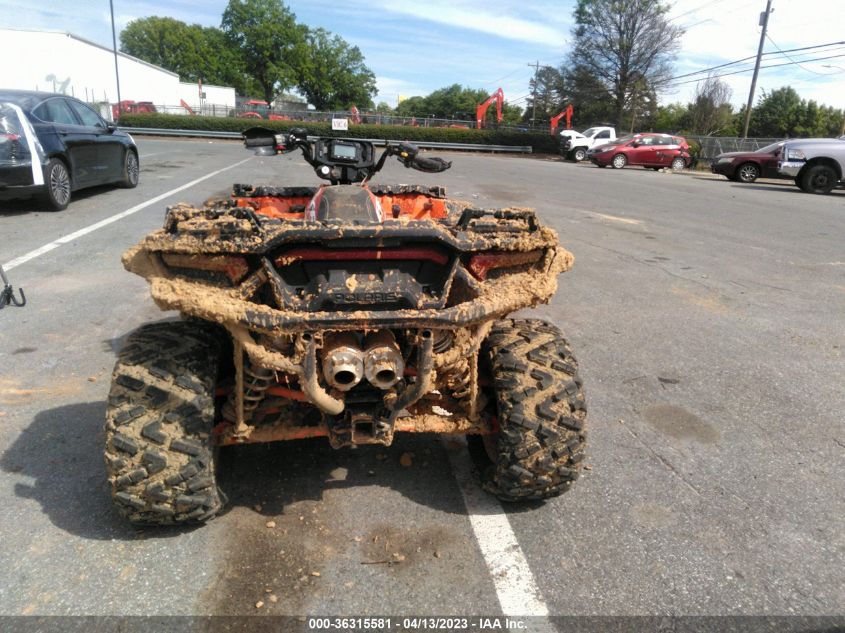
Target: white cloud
{"type": "Point", "coordinates": [477, 16]}
{"type": "Point", "coordinates": [726, 30]}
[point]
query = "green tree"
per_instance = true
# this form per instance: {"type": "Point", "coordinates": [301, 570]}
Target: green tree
{"type": "Point", "coordinates": [456, 102]}
{"type": "Point", "coordinates": [191, 51]}
{"type": "Point", "coordinates": [591, 101]}
{"type": "Point", "coordinates": [672, 118]}
{"type": "Point", "coordinates": [777, 114]}
{"type": "Point", "coordinates": [332, 74]}
{"type": "Point", "coordinates": [384, 108]}
{"type": "Point", "coordinates": [271, 43]}
{"type": "Point", "coordinates": [552, 97]}
{"type": "Point", "coordinates": [623, 44]}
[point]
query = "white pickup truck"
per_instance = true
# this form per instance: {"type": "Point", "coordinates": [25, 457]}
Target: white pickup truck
{"type": "Point", "coordinates": [817, 165]}
{"type": "Point", "coordinates": [574, 145]}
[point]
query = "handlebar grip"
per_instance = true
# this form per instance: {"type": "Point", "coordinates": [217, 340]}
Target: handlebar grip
{"type": "Point", "coordinates": [261, 141]}
{"type": "Point", "coordinates": [432, 165]}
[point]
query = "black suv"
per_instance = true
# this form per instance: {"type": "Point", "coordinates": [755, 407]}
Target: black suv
{"type": "Point", "coordinates": [73, 147]}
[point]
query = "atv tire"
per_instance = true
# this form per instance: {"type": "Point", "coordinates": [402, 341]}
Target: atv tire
{"type": "Point", "coordinates": [538, 450]}
{"type": "Point", "coordinates": [159, 451]}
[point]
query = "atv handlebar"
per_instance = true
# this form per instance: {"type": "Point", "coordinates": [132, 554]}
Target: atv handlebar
{"type": "Point", "coordinates": [340, 160]}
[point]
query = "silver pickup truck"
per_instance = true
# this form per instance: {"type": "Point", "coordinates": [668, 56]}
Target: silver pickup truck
{"type": "Point", "coordinates": [816, 164]}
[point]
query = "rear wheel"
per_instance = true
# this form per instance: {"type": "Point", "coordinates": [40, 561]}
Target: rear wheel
{"type": "Point", "coordinates": [57, 185]}
{"type": "Point", "coordinates": [159, 451]}
{"type": "Point", "coordinates": [131, 170]}
{"type": "Point", "coordinates": [619, 161]}
{"type": "Point", "coordinates": [538, 449]}
{"type": "Point", "coordinates": [819, 179]}
{"type": "Point", "coordinates": [747, 172]}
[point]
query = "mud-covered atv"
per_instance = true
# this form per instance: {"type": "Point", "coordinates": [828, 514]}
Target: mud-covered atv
{"type": "Point", "coordinates": [351, 311]}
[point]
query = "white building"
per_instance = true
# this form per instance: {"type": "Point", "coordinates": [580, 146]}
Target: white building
{"type": "Point", "coordinates": [56, 61]}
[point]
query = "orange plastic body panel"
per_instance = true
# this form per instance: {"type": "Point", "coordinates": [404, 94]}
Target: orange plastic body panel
{"type": "Point", "coordinates": [416, 206]}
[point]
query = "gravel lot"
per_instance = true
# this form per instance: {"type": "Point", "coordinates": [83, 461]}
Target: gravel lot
{"type": "Point", "coordinates": [708, 320]}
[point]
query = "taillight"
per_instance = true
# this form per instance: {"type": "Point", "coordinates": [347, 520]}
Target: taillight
{"type": "Point", "coordinates": [233, 267]}
{"type": "Point", "coordinates": [481, 264]}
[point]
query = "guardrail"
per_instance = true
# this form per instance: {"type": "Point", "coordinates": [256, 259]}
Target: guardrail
{"type": "Point", "coordinates": [468, 147]}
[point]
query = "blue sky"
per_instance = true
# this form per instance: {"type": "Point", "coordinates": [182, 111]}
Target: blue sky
{"type": "Point", "coordinates": [417, 47]}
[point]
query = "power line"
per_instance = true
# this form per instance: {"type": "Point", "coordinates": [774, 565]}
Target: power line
{"type": "Point", "coordinates": [745, 70]}
{"type": "Point", "coordinates": [496, 81]}
{"type": "Point", "coordinates": [745, 59]}
{"type": "Point", "coordinates": [698, 8]}
{"type": "Point", "coordinates": [809, 70]}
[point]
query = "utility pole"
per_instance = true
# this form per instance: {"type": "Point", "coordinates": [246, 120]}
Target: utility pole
{"type": "Point", "coordinates": [536, 66]}
{"type": "Point", "coordinates": [764, 22]}
{"type": "Point", "coordinates": [114, 45]}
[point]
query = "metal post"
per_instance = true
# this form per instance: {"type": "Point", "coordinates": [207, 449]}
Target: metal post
{"type": "Point", "coordinates": [114, 46]}
{"type": "Point", "coordinates": [764, 22]}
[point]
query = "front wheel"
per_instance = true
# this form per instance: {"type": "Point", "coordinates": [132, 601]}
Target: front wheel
{"type": "Point", "coordinates": [819, 179]}
{"type": "Point", "coordinates": [579, 154]}
{"type": "Point", "coordinates": [748, 172]}
{"type": "Point", "coordinates": [619, 161]}
{"type": "Point", "coordinates": [538, 449]}
{"type": "Point", "coordinates": [57, 185]}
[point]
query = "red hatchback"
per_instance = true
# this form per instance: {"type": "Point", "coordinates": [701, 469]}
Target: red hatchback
{"type": "Point", "coordinates": [648, 150]}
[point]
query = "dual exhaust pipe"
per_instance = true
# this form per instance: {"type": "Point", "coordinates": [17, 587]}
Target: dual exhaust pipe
{"type": "Point", "coordinates": [345, 364]}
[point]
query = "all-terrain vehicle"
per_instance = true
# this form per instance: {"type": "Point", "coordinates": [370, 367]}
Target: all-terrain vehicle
{"type": "Point", "coordinates": [350, 311]}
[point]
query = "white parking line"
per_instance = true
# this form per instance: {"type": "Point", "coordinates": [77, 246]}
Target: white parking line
{"type": "Point", "coordinates": [515, 585]}
{"type": "Point", "coordinates": [38, 252]}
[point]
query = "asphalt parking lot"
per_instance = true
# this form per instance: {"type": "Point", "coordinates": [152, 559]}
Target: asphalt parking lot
{"type": "Point", "coordinates": [707, 317]}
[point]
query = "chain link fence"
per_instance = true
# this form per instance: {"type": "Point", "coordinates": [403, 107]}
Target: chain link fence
{"type": "Point", "coordinates": [712, 146]}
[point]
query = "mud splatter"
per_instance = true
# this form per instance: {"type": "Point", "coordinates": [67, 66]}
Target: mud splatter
{"type": "Point", "coordinates": [401, 551]}
{"type": "Point", "coordinates": [711, 302]}
{"type": "Point", "coordinates": [652, 515]}
{"type": "Point", "coordinates": [678, 423]}
{"type": "Point", "coordinates": [281, 559]}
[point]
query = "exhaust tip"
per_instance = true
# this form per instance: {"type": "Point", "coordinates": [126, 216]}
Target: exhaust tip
{"type": "Point", "coordinates": [343, 363]}
{"type": "Point", "coordinates": [383, 362]}
{"type": "Point", "coordinates": [386, 376]}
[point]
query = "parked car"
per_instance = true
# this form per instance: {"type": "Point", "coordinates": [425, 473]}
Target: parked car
{"type": "Point", "coordinates": [52, 145]}
{"type": "Point", "coordinates": [575, 145]}
{"type": "Point", "coordinates": [817, 165]}
{"type": "Point", "coordinates": [648, 150]}
{"type": "Point", "coordinates": [749, 166]}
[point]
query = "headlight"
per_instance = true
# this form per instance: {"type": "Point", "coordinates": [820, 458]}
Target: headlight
{"type": "Point", "coordinates": [722, 161]}
{"type": "Point", "coordinates": [795, 154]}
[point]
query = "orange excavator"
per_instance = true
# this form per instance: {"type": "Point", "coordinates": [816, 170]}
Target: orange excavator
{"type": "Point", "coordinates": [567, 112]}
{"type": "Point", "coordinates": [481, 110]}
